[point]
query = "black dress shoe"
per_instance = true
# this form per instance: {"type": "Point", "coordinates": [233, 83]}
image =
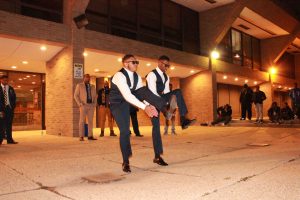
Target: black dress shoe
{"type": "Point", "coordinates": [160, 161]}
{"type": "Point", "coordinates": [139, 135]}
{"type": "Point", "coordinates": [126, 167]}
{"type": "Point", "coordinates": [91, 138]}
{"type": "Point", "coordinates": [187, 122]}
{"type": "Point", "coordinates": [113, 135]}
{"type": "Point", "coordinates": [12, 142]}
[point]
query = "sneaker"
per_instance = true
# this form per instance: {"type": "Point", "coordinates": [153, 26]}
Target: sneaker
{"type": "Point", "coordinates": [160, 161]}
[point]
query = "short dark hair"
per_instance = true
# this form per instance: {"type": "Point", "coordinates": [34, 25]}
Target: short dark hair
{"type": "Point", "coordinates": [126, 57]}
{"type": "Point", "coordinates": [86, 75]}
{"type": "Point", "coordinates": [163, 57]}
{"type": "Point", "coordinates": [4, 76]}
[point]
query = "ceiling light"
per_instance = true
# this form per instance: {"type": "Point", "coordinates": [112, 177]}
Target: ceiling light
{"type": "Point", "coordinates": [20, 79]}
{"type": "Point", "coordinates": [28, 76]}
{"type": "Point", "coordinates": [109, 76]}
{"type": "Point", "coordinates": [85, 54]}
{"type": "Point", "coordinates": [148, 64]}
{"type": "Point", "coordinates": [192, 71]}
{"type": "Point", "coordinates": [172, 68]}
{"type": "Point", "coordinates": [31, 90]}
{"type": "Point", "coordinates": [225, 77]}
{"type": "Point", "coordinates": [43, 48]}
{"type": "Point", "coordinates": [246, 81]}
{"type": "Point", "coordinates": [279, 86]}
{"type": "Point", "coordinates": [14, 67]}
{"type": "Point", "coordinates": [25, 62]}
{"type": "Point", "coordinates": [33, 82]}
{"type": "Point", "coordinates": [237, 56]}
{"type": "Point", "coordinates": [96, 70]}
{"type": "Point", "coordinates": [290, 88]}
{"type": "Point", "coordinates": [24, 78]}
{"type": "Point", "coordinates": [255, 82]}
{"type": "Point", "coordinates": [34, 75]}
{"type": "Point", "coordinates": [285, 88]}
{"type": "Point", "coordinates": [236, 79]}
{"type": "Point", "coordinates": [19, 86]}
{"type": "Point", "coordinates": [119, 59]}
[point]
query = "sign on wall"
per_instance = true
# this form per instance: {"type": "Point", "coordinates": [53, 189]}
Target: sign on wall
{"type": "Point", "coordinates": [78, 70]}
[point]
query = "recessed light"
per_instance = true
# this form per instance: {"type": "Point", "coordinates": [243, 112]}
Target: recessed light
{"type": "Point", "coordinates": [20, 79]}
{"type": "Point", "coordinates": [192, 71]}
{"type": "Point", "coordinates": [279, 86]}
{"type": "Point", "coordinates": [172, 68]}
{"type": "Point", "coordinates": [148, 64]}
{"type": "Point", "coordinates": [14, 67]}
{"type": "Point", "coordinates": [119, 59]}
{"type": "Point", "coordinates": [290, 88]}
{"type": "Point", "coordinates": [25, 62]}
{"type": "Point", "coordinates": [34, 75]}
{"type": "Point", "coordinates": [31, 90]}
{"type": "Point", "coordinates": [43, 48]}
{"type": "Point", "coordinates": [236, 79]}
{"type": "Point", "coordinates": [246, 81]}
{"type": "Point", "coordinates": [85, 54]}
{"type": "Point", "coordinates": [96, 70]}
{"type": "Point", "coordinates": [33, 82]}
{"type": "Point", "coordinates": [19, 86]}
{"type": "Point", "coordinates": [225, 77]}
{"type": "Point", "coordinates": [255, 82]}
{"type": "Point", "coordinates": [24, 78]}
{"type": "Point", "coordinates": [28, 76]}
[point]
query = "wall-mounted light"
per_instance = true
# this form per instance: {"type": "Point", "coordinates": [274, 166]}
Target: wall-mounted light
{"type": "Point", "coordinates": [272, 70]}
{"type": "Point", "coordinates": [215, 54]}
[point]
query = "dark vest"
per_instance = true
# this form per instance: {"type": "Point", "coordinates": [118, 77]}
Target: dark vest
{"type": "Point", "coordinates": [115, 96]}
{"type": "Point", "coordinates": [160, 85]}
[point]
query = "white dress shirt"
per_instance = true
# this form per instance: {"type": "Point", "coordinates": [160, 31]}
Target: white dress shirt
{"type": "Point", "coordinates": [151, 81]}
{"type": "Point", "coordinates": [120, 81]}
{"type": "Point", "coordinates": [6, 88]}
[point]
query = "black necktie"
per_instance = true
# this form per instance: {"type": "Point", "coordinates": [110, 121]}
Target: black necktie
{"type": "Point", "coordinates": [5, 96]}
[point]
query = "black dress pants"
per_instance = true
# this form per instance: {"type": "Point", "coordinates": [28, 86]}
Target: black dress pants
{"type": "Point", "coordinates": [180, 101]}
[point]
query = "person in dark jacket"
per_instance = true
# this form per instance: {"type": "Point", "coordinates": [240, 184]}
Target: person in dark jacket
{"type": "Point", "coordinates": [246, 102]}
{"type": "Point", "coordinates": [286, 112]}
{"type": "Point", "coordinates": [224, 115]}
{"type": "Point", "coordinates": [274, 113]}
{"type": "Point", "coordinates": [7, 107]}
{"type": "Point", "coordinates": [258, 99]}
{"type": "Point", "coordinates": [104, 109]}
{"type": "Point", "coordinates": [295, 97]}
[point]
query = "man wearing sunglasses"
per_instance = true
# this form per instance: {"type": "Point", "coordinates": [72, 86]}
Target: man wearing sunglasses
{"type": "Point", "coordinates": [158, 82]}
{"type": "Point", "coordinates": [126, 89]}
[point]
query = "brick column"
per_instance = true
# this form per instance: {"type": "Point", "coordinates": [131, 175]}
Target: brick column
{"type": "Point", "coordinates": [198, 93]}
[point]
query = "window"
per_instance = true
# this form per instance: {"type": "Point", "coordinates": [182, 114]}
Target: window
{"type": "Point", "coordinates": [97, 14]}
{"type": "Point", "coordinates": [42, 9]}
{"type": "Point", "coordinates": [190, 32]}
{"type": "Point", "coordinates": [149, 21]}
{"type": "Point", "coordinates": [236, 47]}
{"type": "Point", "coordinates": [225, 48]}
{"type": "Point", "coordinates": [123, 18]}
{"type": "Point", "coordinates": [172, 25]}
{"type": "Point", "coordinates": [247, 50]}
{"type": "Point", "coordinates": [256, 53]}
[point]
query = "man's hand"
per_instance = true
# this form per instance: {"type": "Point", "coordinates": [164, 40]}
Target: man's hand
{"type": "Point", "coordinates": [151, 111]}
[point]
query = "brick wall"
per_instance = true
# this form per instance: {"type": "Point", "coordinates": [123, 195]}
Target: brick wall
{"type": "Point", "coordinates": [197, 91]}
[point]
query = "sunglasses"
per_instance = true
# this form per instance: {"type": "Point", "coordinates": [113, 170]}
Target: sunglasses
{"type": "Point", "coordinates": [166, 65]}
{"type": "Point", "coordinates": [134, 62]}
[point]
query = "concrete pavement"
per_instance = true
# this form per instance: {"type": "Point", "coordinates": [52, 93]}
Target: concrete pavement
{"type": "Point", "coordinates": [204, 163]}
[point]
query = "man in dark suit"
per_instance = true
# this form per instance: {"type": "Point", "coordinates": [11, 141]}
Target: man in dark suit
{"type": "Point", "coordinates": [7, 106]}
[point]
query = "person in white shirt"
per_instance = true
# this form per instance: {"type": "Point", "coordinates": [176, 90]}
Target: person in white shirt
{"type": "Point", "coordinates": [158, 82]}
{"type": "Point", "coordinates": [126, 89]}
